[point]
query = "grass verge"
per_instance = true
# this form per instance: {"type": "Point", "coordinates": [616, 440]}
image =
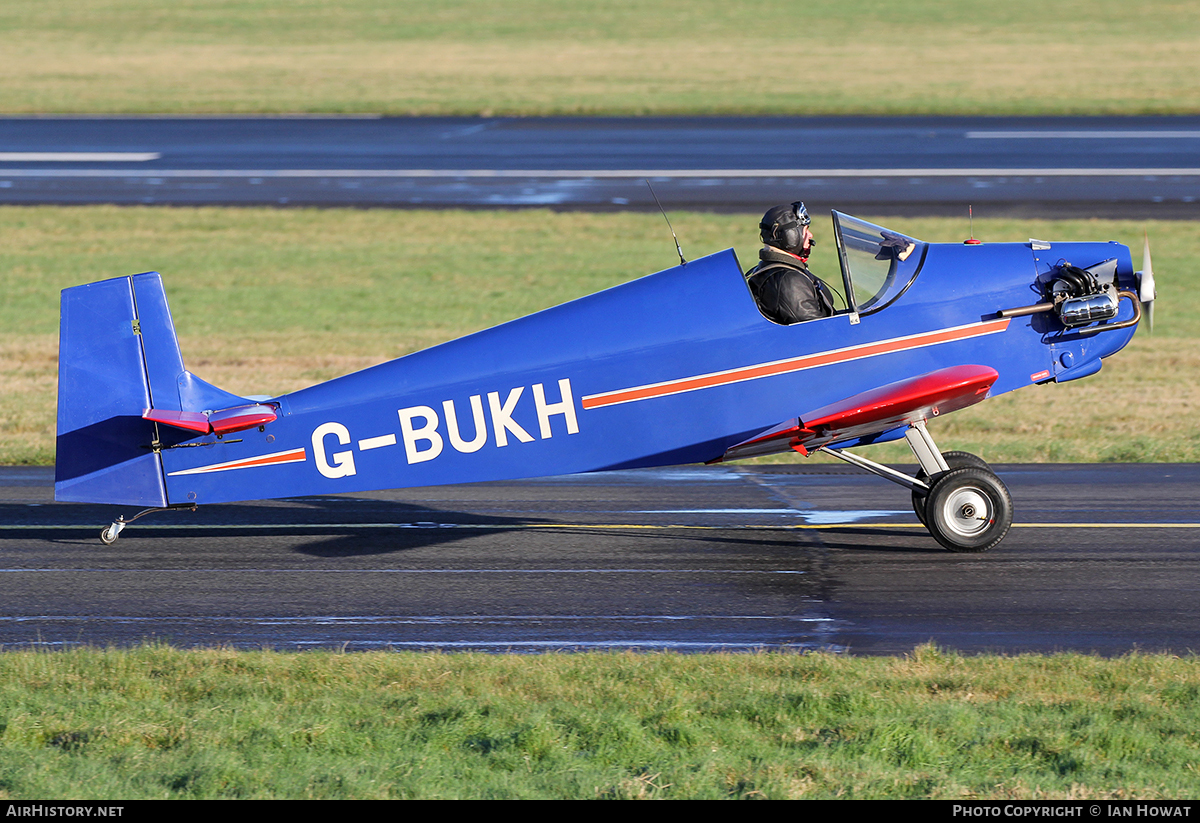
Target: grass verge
{"type": "Point", "coordinates": [539, 57]}
{"type": "Point", "coordinates": [268, 301]}
{"type": "Point", "coordinates": [157, 722]}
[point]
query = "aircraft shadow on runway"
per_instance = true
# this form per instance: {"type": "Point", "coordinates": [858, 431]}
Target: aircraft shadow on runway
{"type": "Point", "coordinates": [336, 527]}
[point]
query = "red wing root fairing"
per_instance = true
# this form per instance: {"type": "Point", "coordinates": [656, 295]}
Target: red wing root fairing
{"type": "Point", "coordinates": [676, 367]}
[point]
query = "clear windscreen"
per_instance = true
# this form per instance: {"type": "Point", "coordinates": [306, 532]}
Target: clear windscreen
{"type": "Point", "coordinates": [877, 263]}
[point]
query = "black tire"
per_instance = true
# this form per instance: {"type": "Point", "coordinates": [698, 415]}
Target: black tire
{"type": "Point", "coordinates": [955, 460]}
{"type": "Point", "coordinates": [968, 510]}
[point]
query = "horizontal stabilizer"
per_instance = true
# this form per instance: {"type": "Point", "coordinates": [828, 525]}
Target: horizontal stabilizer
{"type": "Point", "coordinates": [888, 407]}
{"type": "Point", "coordinates": [191, 421]}
{"type": "Point", "coordinates": [224, 421]}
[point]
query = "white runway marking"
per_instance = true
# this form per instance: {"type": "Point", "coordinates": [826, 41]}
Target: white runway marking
{"type": "Point", "coordinates": [830, 518]}
{"type": "Point", "coordinates": [422, 619]}
{"type": "Point", "coordinates": [810, 516]}
{"type": "Point", "coordinates": [715, 645]}
{"type": "Point", "coordinates": [584, 174]}
{"type": "Point", "coordinates": [563, 644]}
{"type": "Point", "coordinates": [716, 511]}
{"type": "Point", "coordinates": [78, 156]}
{"type": "Point", "coordinates": [1074, 135]}
{"type": "Point", "coordinates": [283, 115]}
{"type": "Point", "coordinates": [400, 571]}
{"type": "Point", "coordinates": [802, 632]}
{"type": "Point", "coordinates": [323, 527]}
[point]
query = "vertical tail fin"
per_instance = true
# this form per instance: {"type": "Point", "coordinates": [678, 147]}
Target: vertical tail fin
{"type": "Point", "coordinates": [104, 446]}
{"type": "Point", "coordinates": [118, 356]}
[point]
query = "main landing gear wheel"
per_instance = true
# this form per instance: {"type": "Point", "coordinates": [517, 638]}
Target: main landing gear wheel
{"type": "Point", "coordinates": [966, 507]}
{"type": "Point", "coordinates": [968, 510]}
{"type": "Point", "coordinates": [955, 460]}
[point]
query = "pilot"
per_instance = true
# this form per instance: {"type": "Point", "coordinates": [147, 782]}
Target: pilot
{"type": "Point", "coordinates": [786, 291]}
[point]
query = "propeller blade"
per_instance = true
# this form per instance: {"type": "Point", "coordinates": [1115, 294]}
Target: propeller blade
{"type": "Point", "coordinates": [1146, 289]}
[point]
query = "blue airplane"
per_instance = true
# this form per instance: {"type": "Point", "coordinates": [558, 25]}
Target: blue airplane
{"type": "Point", "coordinates": [676, 367]}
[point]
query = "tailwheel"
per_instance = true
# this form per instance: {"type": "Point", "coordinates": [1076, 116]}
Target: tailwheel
{"type": "Point", "coordinates": [955, 460]}
{"type": "Point", "coordinates": [968, 509]}
{"type": "Point", "coordinates": [109, 535]}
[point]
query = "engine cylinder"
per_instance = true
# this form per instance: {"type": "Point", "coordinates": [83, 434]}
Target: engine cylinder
{"type": "Point", "coordinates": [1079, 311]}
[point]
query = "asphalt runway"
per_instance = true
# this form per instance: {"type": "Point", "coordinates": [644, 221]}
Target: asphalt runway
{"type": "Point", "coordinates": [1138, 167]}
{"type": "Point", "coordinates": [1102, 559]}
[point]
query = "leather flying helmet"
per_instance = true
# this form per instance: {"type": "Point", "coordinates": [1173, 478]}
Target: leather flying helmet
{"type": "Point", "coordinates": [783, 227]}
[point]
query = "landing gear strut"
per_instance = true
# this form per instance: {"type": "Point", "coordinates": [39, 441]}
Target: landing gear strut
{"type": "Point", "coordinates": [955, 495]}
{"type": "Point", "coordinates": [109, 535]}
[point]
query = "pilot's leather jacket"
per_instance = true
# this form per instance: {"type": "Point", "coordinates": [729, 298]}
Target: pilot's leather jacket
{"type": "Point", "coordinates": [786, 291]}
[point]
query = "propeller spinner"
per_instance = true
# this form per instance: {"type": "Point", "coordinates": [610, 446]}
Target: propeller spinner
{"type": "Point", "coordinates": [1146, 290]}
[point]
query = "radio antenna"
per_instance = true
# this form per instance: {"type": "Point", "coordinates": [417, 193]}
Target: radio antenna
{"type": "Point", "coordinates": [682, 262]}
{"type": "Point", "coordinates": [971, 241]}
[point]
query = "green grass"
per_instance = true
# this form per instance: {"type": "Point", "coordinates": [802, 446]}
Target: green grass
{"type": "Point", "coordinates": [268, 301]}
{"type": "Point", "coordinates": [156, 722]}
{"type": "Point", "coordinates": [543, 57]}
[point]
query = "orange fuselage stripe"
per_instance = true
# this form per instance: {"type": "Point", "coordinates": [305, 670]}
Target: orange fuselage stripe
{"type": "Point", "coordinates": [293, 456]}
{"type": "Point", "coordinates": [794, 364]}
